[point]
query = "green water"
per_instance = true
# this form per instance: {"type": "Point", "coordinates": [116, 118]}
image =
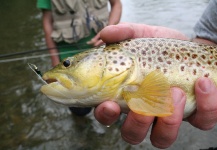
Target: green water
{"type": "Point", "coordinates": [28, 120]}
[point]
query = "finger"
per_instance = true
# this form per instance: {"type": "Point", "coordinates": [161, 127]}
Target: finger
{"type": "Point", "coordinates": [95, 39]}
{"type": "Point", "coordinates": [120, 32]}
{"type": "Point", "coordinates": [107, 113]}
{"type": "Point", "coordinates": [98, 43]}
{"type": "Point", "coordinates": [135, 128]}
{"type": "Point", "coordinates": [165, 131]}
{"type": "Point", "coordinates": [116, 33]}
{"type": "Point", "coordinates": [205, 116]}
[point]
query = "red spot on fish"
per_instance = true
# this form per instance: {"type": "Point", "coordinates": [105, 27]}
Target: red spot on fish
{"type": "Point", "coordinates": [194, 56]}
{"type": "Point", "coordinates": [206, 75]}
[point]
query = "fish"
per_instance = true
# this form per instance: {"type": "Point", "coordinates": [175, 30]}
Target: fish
{"type": "Point", "coordinates": [137, 74]}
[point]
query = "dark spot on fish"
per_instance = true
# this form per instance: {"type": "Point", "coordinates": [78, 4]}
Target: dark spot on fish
{"type": "Point", "coordinates": [160, 44]}
{"type": "Point", "coordinates": [153, 52]}
{"type": "Point", "coordinates": [127, 44]}
{"type": "Point", "coordinates": [209, 62]}
{"type": "Point", "coordinates": [169, 62]}
{"type": "Point", "coordinates": [198, 64]}
{"type": "Point", "coordinates": [171, 55]}
{"type": "Point", "coordinates": [175, 45]}
{"type": "Point", "coordinates": [177, 57]}
{"type": "Point", "coordinates": [157, 67]}
{"type": "Point", "coordinates": [165, 70]}
{"type": "Point", "coordinates": [203, 56]}
{"type": "Point", "coordinates": [183, 49]}
{"type": "Point", "coordinates": [173, 49]}
{"type": "Point", "coordinates": [95, 53]}
{"type": "Point", "coordinates": [147, 49]}
{"type": "Point", "coordinates": [115, 61]}
{"type": "Point", "coordinates": [123, 64]}
{"type": "Point", "coordinates": [144, 52]}
{"type": "Point", "coordinates": [182, 68]}
{"type": "Point", "coordinates": [110, 69]}
{"type": "Point", "coordinates": [144, 64]}
{"type": "Point", "coordinates": [165, 53]}
{"type": "Point", "coordinates": [133, 50]}
{"type": "Point", "coordinates": [113, 48]}
{"type": "Point", "coordinates": [117, 69]}
{"type": "Point", "coordinates": [160, 59]}
{"type": "Point", "coordinates": [194, 71]}
{"type": "Point", "coordinates": [114, 53]}
{"type": "Point", "coordinates": [149, 59]}
{"type": "Point", "coordinates": [206, 75]}
{"type": "Point", "coordinates": [194, 56]}
{"type": "Point", "coordinates": [150, 45]}
{"type": "Point", "coordinates": [121, 57]}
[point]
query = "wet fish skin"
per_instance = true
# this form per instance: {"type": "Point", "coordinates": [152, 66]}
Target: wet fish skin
{"type": "Point", "coordinates": [136, 73]}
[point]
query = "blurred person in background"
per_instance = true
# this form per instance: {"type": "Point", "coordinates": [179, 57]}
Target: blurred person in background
{"type": "Point", "coordinates": [73, 25]}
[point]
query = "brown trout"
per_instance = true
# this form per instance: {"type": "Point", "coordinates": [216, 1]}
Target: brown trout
{"type": "Point", "coordinates": [136, 73]}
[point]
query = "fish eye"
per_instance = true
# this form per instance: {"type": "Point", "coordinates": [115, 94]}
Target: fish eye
{"type": "Point", "coordinates": [66, 63]}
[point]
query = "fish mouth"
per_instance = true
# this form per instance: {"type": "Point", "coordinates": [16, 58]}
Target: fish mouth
{"type": "Point", "coordinates": [58, 79]}
{"type": "Point", "coordinates": [51, 80]}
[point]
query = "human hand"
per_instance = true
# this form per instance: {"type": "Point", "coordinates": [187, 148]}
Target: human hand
{"type": "Point", "coordinates": [205, 117]}
{"type": "Point", "coordinates": [96, 41]}
{"type": "Point", "coordinates": [164, 130]}
{"type": "Point", "coordinates": [135, 127]}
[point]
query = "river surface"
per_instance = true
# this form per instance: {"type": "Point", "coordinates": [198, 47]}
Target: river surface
{"type": "Point", "coordinates": [29, 121]}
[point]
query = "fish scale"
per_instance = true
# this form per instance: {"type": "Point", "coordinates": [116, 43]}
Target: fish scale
{"type": "Point", "coordinates": [136, 73]}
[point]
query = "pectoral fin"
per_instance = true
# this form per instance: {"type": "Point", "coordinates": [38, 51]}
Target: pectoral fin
{"type": "Point", "coordinates": [152, 97]}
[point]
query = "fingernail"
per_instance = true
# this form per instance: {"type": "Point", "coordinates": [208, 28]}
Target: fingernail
{"type": "Point", "coordinates": [178, 95]}
{"type": "Point", "coordinates": [204, 84]}
{"type": "Point", "coordinates": [108, 112]}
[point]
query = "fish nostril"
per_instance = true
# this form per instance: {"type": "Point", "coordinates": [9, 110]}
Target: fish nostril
{"type": "Point", "coordinates": [51, 80]}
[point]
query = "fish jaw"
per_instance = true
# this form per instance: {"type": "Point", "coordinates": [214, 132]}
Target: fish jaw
{"type": "Point", "coordinates": [75, 96]}
{"type": "Point", "coordinates": [56, 92]}
{"type": "Point", "coordinates": [64, 89]}
{"type": "Point", "coordinates": [58, 87]}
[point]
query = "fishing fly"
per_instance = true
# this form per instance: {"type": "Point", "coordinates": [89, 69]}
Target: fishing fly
{"type": "Point", "coordinates": [34, 68]}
